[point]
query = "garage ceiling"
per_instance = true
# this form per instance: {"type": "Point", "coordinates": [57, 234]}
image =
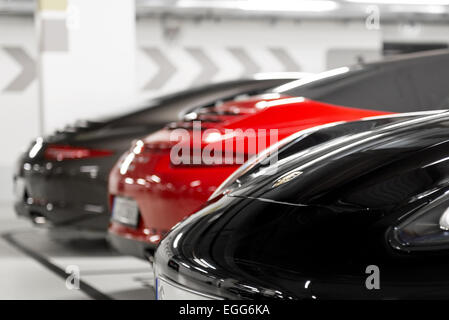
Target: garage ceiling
{"type": "Point", "coordinates": [411, 10]}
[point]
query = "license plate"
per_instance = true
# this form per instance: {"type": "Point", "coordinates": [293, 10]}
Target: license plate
{"type": "Point", "coordinates": [168, 290]}
{"type": "Point", "coordinates": [19, 188]}
{"type": "Point", "coordinates": [125, 211]}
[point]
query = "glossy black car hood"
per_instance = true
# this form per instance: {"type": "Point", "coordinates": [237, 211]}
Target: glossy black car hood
{"type": "Point", "coordinates": [314, 236]}
{"type": "Point", "coordinates": [384, 161]}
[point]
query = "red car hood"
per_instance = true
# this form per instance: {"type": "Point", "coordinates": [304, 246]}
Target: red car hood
{"type": "Point", "coordinates": [271, 111]}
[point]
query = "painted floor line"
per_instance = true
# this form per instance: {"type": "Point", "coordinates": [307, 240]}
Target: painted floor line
{"type": "Point", "coordinates": [114, 272]}
{"type": "Point", "coordinates": [84, 287]}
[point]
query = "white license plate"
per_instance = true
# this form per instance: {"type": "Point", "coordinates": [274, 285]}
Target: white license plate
{"type": "Point", "coordinates": [168, 290]}
{"type": "Point", "coordinates": [19, 188]}
{"type": "Point", "coordinates": [125, 211]}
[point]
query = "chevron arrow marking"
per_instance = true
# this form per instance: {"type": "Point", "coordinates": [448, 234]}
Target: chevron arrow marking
{"type": "Point", "coordinates": [28, 73]}
{"type": "Point", "coordinates": [166, 69]}
{"type": "Point", "coordinates": [285, 59]}
{"type": "Point", "coordinates": [209, 68]}
{"type": "Point", "coordinates": [249, 66]}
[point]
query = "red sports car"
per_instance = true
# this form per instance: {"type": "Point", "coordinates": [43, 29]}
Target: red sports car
{"type": "Point", "coordinates": [151, 189]}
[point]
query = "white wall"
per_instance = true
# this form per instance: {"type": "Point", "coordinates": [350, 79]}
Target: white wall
{"type": "Point", "coordinates": [18, 109]}
{"type": "Point", "coordinates": [306, 43]}
{"type": "Point", "coordinates": [95, 75]}
{"type": "Point", "coordinates": [416, 33]}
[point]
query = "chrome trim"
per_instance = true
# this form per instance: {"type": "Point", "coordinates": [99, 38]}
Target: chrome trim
{"type": "Point", "coordinates": [192, 291]}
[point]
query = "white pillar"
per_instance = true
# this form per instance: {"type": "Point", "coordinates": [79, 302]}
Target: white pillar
{"type": "Point", "coordinates": [86, 59]}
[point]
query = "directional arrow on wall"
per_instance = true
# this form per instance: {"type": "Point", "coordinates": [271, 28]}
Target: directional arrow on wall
{"type": "Point", "coordinates": [249, 66]}
{"type": "Point", "coordinates": [285, 59]}
{"type": "Point", "coordinates": [166, 69]}
{"type": "Point", "coordinates": [208, 68]}
{"type": "Point", "coordinates": [28, 72]}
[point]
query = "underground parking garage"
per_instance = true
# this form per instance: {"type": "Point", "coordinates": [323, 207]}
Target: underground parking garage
{"type": "Point", "coordinates": [183, 150]}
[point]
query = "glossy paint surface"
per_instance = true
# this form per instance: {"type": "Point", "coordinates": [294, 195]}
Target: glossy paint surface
{"type": "Point", "coordinates": [168, 193]}
{"type": "Point", "coordinates": [313, 237]}
{"type": "Point", "coordinates": [405, 83]}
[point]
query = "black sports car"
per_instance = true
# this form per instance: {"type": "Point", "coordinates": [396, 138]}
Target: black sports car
{"type": "Point", "coordinates": [61, 180]}
{"type": "Point", "coordinates": [357, 210]}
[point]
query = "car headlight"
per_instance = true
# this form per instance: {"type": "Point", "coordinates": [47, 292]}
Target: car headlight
{"type": "Point", "coordinates": [426, 229]}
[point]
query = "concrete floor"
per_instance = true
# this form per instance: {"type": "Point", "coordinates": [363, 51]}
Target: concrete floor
{"type": "Point", "coordinates": [32, 266]}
